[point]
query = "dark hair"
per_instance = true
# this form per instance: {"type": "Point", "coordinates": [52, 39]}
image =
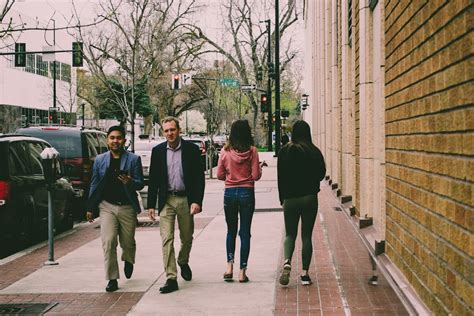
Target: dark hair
{"type": "Point", "coordinates": [240, 138]}
{"type": "Point", "coordinates": [117, 128]}
{"type": "Point", "coordinates": [170, 119]}
{"type": "Point", "coordinates": [301, 136]}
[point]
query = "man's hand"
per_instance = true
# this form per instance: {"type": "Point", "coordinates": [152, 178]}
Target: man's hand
{"type": "Point", "coordinates": [90, 217]}
{"type": "Point", "coordinates": [125, 179]}
{"type": "Point", "coordinates": [151, 214]}
{"type": "Point", "coordinates": [195, 208]}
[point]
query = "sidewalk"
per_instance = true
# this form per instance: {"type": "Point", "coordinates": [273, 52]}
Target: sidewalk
{"type": "Point", "coordinates": [340, 269]}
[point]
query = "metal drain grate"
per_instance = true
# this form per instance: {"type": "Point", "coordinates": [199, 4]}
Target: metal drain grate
{"type": "Point", "coordinates": [269, 209]}
{"type": "Point", "coordinates": [26, 309]}
{"type": "Point", "coordinates": [338, 209]}
{"type": "Point", "coordinates": [149, 224]}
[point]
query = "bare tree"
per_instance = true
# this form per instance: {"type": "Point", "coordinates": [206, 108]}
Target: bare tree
{"type": "Point", "coordinates": [142, 40]}
{"type": "Point", "coordinates": [6, 27]}
{"type": "Point", "coordinates": [244, 51]}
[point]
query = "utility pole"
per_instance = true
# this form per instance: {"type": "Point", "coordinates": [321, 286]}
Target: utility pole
{"type": "Point", "coordinates": [269, 88]}
{"type": "Point", "coordinates": [277, 79]}
{"type": "Point", "coordinates": [54, 65]}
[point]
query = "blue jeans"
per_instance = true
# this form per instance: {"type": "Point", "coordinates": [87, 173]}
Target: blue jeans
{"type": "Point", "coordinates": [239, 201]}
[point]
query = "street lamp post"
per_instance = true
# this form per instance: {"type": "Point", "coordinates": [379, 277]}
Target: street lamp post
{"type": "Point", "coordinates": [277, 79]}
{"type": "Point", "coordinates": [54, 65]}
{"type": "Point", "coordinates": [269, 88]}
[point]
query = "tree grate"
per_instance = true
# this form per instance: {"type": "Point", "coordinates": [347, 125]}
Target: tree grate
{"type": "Point", "coordinates": [26, 309]}
{"type": "Point", "coordinates": [149, 224]}
{"type": "Point", "coordinates": [261, 210]}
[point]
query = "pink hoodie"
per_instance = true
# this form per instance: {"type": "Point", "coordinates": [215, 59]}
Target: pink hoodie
{"type": "Point", "coordinates": [239, 169]}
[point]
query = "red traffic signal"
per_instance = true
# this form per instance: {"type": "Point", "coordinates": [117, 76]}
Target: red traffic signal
{"type": "Point", "coordinates": [176, 83]}
{"type": "Point", "coordinates": [263, 103]}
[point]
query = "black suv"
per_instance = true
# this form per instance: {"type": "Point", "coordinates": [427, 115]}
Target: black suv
{"type": "Point", "coordinates": [77, 150]}
{"type": "Point", "coordinates": [24, 195]}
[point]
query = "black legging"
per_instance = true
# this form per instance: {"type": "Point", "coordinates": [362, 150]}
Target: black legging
{"type": "Point", "coordinates": [305, 207]}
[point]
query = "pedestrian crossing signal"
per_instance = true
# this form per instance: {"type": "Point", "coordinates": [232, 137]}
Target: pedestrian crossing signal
{"type": "Point", "coordinates": [176, 82]}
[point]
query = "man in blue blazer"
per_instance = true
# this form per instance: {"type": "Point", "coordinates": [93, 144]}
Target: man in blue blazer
{"type": "Point", "coordinates": [116, 177]}
{"type": "Point", "coordinates": [177, 179]}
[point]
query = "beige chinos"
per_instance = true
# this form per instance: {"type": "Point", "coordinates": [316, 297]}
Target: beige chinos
{"type": "Point", "coordinates": [176, 206]}
{"type": "Point", "coordinates": [121, 221]}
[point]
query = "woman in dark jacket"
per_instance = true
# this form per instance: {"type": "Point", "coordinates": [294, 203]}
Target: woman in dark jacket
{"type": "Point", "coordinates": [301, 168]}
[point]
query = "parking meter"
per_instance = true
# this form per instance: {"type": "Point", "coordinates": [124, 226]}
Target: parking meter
{"type": "Point", "coordinates": [49, 158]}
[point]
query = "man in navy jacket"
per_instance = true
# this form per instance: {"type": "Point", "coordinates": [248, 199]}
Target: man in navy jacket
{"type": "Point", "coordinates": [116, 177]}
{"type": "Point", "coordinates": [177, 180]}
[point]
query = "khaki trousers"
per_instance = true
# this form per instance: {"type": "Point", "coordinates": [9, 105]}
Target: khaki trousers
{"type": "Point", "coordinates": [117, 221]}
{"type": "Point", "coordinates": [176, 207]}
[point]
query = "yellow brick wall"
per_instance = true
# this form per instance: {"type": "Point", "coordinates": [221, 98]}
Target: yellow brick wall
{"type": "Point", "coordinates": [429, 90]}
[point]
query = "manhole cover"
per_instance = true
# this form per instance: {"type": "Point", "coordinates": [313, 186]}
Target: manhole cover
{"type": "Point", "coordinates": [269, 209]}
{"type": "Point", "coordinates": [26, 309]}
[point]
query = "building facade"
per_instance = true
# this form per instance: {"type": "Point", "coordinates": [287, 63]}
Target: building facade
{"type": "Point", "coordinates": [26, 93]}
{"type": "Point", "coordinates": [390, 88]}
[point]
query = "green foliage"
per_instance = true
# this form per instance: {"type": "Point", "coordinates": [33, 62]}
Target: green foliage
{"type": "Point", "coordinates": [116, 97]}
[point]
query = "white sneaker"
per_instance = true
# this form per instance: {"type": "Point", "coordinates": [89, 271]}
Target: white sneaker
{"type": "Point", "coordinates": [305, 280]}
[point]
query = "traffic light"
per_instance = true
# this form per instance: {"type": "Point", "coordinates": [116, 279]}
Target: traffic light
{"type": "Point", "coordinates": [176, 82]}
{"type": "Point", "coordinates": [263, 103]}
{"type": "Point", "coordinates": [271, 70]}
{"type": "Point", "coordinates": [259, 75]}
{"type": "Point", "coordinates": [77, 54]}
{"type": "Point", "coordinates": [20, 54]}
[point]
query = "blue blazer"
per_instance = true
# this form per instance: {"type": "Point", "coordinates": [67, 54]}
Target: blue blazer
{"type": "Point", "coordinates": [193, 174]}
{"type": "Point", "coordinates": [128, 162]}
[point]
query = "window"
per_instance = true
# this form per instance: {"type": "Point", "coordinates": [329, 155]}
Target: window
{"type": "Point", "coordinates": [18, 159]}
{"type": "Point", "coordinates": [41, 66]}
{"type": "Point", "coordinates": [58, 69]}
{"type": "Point", "coordinates": [92, 144]}
{"type": "Point", "coordinates": [102, 142]}
{"type": "Point", "coordinates": [30, 63]}
{"type": "Point", "coordinates": [35, 155]}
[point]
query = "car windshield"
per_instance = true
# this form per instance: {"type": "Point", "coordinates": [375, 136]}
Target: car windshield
{"type": "Point", "coordinates": [68, 145]}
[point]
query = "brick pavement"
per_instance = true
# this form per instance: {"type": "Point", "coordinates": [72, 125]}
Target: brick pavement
{"type": "Point", "coordinates": [340, 270]}
{"type": "Point", "coordinates": [118, 303]}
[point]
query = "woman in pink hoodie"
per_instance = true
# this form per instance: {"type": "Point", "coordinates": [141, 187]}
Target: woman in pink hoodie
{"type": "Point", "coordinates": [239, 167]}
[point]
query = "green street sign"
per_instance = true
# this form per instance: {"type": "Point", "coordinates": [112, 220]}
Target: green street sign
{"type": "Point", "coordinates": [229, 82]}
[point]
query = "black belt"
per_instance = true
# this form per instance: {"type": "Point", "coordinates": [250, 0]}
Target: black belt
{"type": "Point", "coordinates": [120, 203]}
{"type": "Point", "coordinates": [177, 193]}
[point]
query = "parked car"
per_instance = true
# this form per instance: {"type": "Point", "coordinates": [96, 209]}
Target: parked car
{"type": "Point", "coordinates": [77, 150]}
{"type": "Point", "coordinates": [219, 141]}
{"type": "Point", "coordinates": [143, 148]}
{"type": "Point", "coordinates": [24, 195]}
